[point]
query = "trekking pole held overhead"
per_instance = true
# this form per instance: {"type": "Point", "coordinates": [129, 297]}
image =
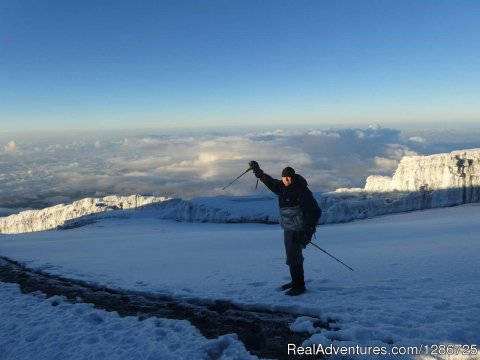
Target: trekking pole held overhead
{"type": "Point", "coordinates": [238, 177]}
{"type": "Point", "coordinates": [333, 257]}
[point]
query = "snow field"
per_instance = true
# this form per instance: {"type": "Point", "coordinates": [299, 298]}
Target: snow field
{"type": "Point", "coordinates": [33, 327]}
{"type": "Point", "coordinates": [416, 278]}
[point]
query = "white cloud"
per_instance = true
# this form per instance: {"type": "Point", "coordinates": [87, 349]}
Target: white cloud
{"type": "Point", "coordinates": [384, 164]}
{"type": "Point", "coordinates": [397, 151]}
{"type": "Point", "coordinates": [11, 148]}
{"type": "Point", "coordinates": [295, 159]}
{"type": "Point", "coordinates": [417, 139]}
{"type": "Point", "coordinates": [374, 127]}
{"type": "Point", "coordinates": [188, 166]}
{"type": "Point", "coordinates": [360, 134]}
{"type": "Point", "coordinates": [206, 158]}
{"type": "Point", "coordinates": [324, 133]}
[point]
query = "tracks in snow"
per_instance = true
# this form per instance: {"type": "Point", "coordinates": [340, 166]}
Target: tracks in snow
{"type": "Point", "coordinates": [265, 333]}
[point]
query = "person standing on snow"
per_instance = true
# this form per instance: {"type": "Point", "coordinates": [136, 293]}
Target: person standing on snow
{"type": "Point", "coordinates": [299, 215]}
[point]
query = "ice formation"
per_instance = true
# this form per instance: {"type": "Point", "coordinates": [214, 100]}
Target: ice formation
{"type": "Point", "coordinates": [58, 215]}
{"type": "Point", "coordinates": [420, 182]}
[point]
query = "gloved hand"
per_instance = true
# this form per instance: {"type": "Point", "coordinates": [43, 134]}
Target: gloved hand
{"type": "Point", "coordinates": [307, 235]}
{"type": "Point", "coordinates": [256, 168]}
{"type": "Point", "coordinates": [254, 165]}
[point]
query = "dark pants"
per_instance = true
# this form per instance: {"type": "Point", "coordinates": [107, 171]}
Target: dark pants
{"type": "Point", "coordinates": [293, 248]}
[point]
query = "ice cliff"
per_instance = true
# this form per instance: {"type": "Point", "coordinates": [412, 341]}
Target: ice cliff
{"type": "Point", "coordinates": [420, 182]}
{"type": "Point", "coordinates": [71, 214]}
{"type": "Point", "coordinates": [445, 179]}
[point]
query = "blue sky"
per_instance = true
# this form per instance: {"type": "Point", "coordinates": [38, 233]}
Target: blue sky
{"type": "Point", "coordinates": [123, 64]}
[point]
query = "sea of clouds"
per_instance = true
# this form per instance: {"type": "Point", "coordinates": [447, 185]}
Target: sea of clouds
{"type": "Point", "coordinates": [39, 171]}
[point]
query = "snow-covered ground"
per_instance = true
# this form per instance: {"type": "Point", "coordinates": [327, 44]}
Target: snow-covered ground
{"type": "Point", "coordinates": [416, 281]}
{"type": "Point", "coordinates": [33, 327]}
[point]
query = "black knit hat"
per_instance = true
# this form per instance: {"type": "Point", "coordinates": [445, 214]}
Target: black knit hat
{"type": "Point", "coordinates": [288, 172]}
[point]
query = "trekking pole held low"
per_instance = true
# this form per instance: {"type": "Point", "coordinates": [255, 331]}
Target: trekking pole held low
{"type": "Point", "coordinates": [333, 257]}
{"type": "Point", "coordinates": [238, 177]}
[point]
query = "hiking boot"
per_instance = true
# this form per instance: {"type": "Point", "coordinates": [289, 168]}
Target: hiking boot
{"type": "Point", "coordinates": [296, 291]}
{"type": "Point", "coordinates": [287, 286]}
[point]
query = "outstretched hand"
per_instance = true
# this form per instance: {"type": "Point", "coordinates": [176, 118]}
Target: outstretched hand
{"type": "Point", "coordinates": [254, 165]}
{"type": "Point", "coordinates": [256, 168]}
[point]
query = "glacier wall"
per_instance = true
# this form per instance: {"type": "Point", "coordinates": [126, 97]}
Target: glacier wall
{"type": "Point", "coordinates": [58, 215]}
{"type": "Point", "coordinates": [444, 179]}
{"type": "Point", "coordinates": [420, 182]}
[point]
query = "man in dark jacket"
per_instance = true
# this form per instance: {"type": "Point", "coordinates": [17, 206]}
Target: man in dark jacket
{"type": "Point", "coordinates": [299, 215]}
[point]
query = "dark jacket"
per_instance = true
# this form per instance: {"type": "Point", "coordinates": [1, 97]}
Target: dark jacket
{"type": "Point", "coordinates": [299, 211]}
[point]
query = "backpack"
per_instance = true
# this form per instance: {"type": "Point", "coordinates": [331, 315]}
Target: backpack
{"type": "Point", "coordinates": [311, 209]}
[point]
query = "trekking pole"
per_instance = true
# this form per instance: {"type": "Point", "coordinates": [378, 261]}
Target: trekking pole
{"type": "Point", "coordinates": [238, 177]}
{"type": "Point", "coordinates": [333, 257]}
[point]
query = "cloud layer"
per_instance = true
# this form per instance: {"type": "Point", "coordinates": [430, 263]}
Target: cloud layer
{"type": "Point", "coordinates": [40, 172]}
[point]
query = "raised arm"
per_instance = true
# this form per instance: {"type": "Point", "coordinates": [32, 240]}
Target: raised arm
{"type": "Point", "coordinates": [274, 185]}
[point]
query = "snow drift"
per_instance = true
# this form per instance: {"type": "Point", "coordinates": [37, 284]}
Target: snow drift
{"type": "Point", "coordinates": [420, 182]}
